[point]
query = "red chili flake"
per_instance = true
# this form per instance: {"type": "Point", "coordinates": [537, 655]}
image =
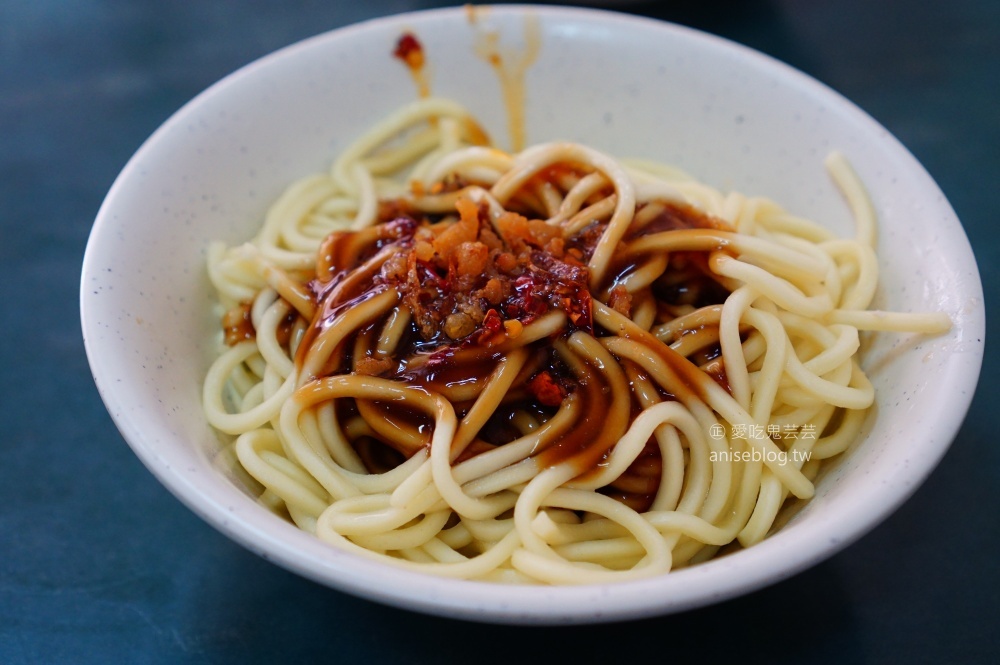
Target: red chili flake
{"type": "Point", "coordinates": [410, 51]}
{"type": "Point", "coordinates": [492, 321]}
{"type": "Point", "coordinates": [546, 390]}
{"type": "Point", "coordinates": [441, 357]}
{"type": "Point", "coordinates": [428, 277]}
{"type": "Point", "coordinates": [523, 284]}
{"type": "Point", "coordinates": [491, 330]}
{"type": "Point", "coordinates": [582, 314]}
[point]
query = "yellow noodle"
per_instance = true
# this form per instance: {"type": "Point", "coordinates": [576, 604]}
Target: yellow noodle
{"type": "Point", "coordinates": [698, 421]}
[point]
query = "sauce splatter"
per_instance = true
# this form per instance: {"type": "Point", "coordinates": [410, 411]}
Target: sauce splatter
{"type": "Point", "coordinates": [411, 52]}
{"type": "Point", "coordinates": [511, 66]}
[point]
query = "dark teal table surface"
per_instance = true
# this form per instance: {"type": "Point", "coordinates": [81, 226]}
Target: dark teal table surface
{"type": "Point", "coordinates": [99, 564]}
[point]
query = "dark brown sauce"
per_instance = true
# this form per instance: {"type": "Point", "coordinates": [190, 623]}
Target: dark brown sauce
{"type": "Point", "coordinates": [692, 379]}
{"type": "Point", "coordinates": [675, 216]}
{"type": "Point", "coordinates": [444, 373]}
{"type": "Point", "coordinates": [237, 325]}
{"type": "Point", "coordinates": [541, 275]}
{"type": "Point", "coordinates": [586, 444]}
{"type": "Point", "coordinates": [638, 485]}
{"type": "Point", "coordinates": [325, 317]}
{"type": "Point", "coordinates": [717, 370]}
{"type": "Point", "coordinates": [688, 281]}
{"type": "Point", "coordinates": [376, 455]}
{"type": "Point", "coordinates": [283, 333]}
{"type": "Point", "coordinates": [342, 251]}
{"type": "Point", "coordinates": [393, 421]}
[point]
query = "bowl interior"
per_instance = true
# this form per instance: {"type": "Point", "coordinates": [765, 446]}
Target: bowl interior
{"type": "Point", "coordinates": [628, 86]}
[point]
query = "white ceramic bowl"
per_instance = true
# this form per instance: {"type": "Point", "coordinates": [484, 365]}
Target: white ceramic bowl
{"type": "Point", "coordinates": [629, 86]}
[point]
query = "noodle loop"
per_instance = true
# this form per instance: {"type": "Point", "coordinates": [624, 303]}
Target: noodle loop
{"type": "Point", "coordinates": [551, 366]}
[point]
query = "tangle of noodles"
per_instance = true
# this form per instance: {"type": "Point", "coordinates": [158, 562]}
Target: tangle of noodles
{"type": "Point", "coordinates": [549, 367]}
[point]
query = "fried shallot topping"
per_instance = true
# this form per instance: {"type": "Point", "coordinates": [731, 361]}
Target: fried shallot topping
{"type": "Point", "coordinates": [480, 280]}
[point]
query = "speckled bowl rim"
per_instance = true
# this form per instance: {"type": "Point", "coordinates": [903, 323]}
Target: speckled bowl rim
{"type": "Point", "coordinates": [778, 557]}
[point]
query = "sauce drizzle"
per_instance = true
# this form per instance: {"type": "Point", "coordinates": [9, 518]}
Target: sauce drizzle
{"type": "Point", "coordinates": [411, 52]}
{"type": "Point", "coordinates": [511, 66]}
